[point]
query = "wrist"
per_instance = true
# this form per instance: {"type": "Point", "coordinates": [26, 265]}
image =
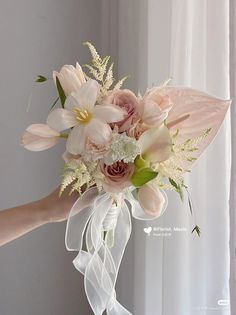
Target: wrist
{"type": "Point", "coordinates": [44, 211]}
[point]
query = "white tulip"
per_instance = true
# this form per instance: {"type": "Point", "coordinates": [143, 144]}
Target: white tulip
{"type": "Point", "coordinates": [39, 137]}
{"type": "Point", "coordinates": [71, 78]}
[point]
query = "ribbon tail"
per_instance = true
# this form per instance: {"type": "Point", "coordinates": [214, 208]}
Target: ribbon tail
{"type": "Point", "coordinates": [78, 219]}
{"type": "Point", "coordinates": [118, 309]}
{"type": "Point", "coordinates": [99, 263]}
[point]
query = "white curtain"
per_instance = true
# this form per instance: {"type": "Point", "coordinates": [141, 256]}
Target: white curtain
{"type": "Point", "coordinates": [233, 169]}
{"type": "Point", "coordinates": [200, 58]}
{"type": "Point", "coordinates": [180, 274]}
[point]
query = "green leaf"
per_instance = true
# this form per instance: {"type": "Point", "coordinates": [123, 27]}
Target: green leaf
{"type": "Point", "coordinates": [197, 230]}
{"type": "Point", "coordinates": [177, 188]}
{"type": "Point", "coordinates": [40, 79]}
{"type": "Point", "coordinates": [60, 92]}
{"type": "Point", "coordinates": [190, 205]}
{"type": "Point", "coordinates": [54, 103]}
{"type": "Point", "coordinates": [143, 176]}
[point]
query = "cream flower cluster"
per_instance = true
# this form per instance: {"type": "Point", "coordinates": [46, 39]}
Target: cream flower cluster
{"type": "Point", "coordinates": [121, 148]}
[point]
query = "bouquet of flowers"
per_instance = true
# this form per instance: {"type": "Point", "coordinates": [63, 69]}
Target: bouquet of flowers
{"type": "Point", "coordinates": [122, 153]}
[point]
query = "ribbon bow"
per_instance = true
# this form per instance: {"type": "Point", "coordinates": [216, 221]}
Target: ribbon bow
{"type": "Point", "coordinates": [104, 221]}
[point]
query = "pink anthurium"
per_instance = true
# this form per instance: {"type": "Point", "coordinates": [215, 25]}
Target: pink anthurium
{"type": "Point", "coordinates": [193, 112]}
{"type": "Point", "coordinates": [39, 137]}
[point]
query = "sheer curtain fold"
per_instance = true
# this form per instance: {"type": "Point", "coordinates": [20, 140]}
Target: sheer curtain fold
{"type": "Point", "coordinates": [182, 274]}
{"type": "Point", "coordinates": [233, 170]}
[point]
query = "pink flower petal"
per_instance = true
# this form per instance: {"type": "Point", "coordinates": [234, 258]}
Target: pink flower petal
{"type": "Point", "coordinates": [76, 141]}
{"type": "Point", "coordinates": [61, 119]}
{"type": "Point", "coordinates": [42, 130]}
{"type": "Point", "coordinates": [151, 199]}
{"type": "Point", "coordinates": [109, 113]}
{"type": "Point", "coordinates": [204, 112]}
{"type": "Point", "coordinates": [80, 73]}
{"type": "Point", "coordinates": [87, 95]}
{"type": "Point", "coordinates": [151, 113]}
{"type": "Point", "coordinates": [98, 131]}
{"type": "Point", "coordinates": [36, 143]}
{"type": "Point", "coordinates": [71, 103]}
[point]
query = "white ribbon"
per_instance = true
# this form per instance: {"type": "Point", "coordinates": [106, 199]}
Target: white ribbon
{"type": "Point", "coordinates": [92, 215]}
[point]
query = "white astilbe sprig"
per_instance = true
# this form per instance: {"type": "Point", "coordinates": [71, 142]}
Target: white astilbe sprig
{"type": "Point", "coordinates": [184, 151]}
{"type": "Point", "coordinates": [171, 172]}
{"type": "Point", "coordinates": [102, 71]}
{"type": "Point", "coordinates": [76, 175]}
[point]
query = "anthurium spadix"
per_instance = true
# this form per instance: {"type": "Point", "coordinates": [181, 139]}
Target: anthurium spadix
{"type": "Point", "coordinates": [193, 113]}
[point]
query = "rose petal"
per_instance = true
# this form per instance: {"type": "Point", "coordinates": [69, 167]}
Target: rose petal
{"type": "Point", "coordinates": [61, 119]}
{"type": "Point", "coordinates": [151, 113]}
{"type": "Point", "coordinates": [98, 131]}
{"type": "Point", "coordinates": [42, 130]}
{"type": "Point", "coordinates": [76, 141]}
{"type": "Point", "coordinates": [109, 113]}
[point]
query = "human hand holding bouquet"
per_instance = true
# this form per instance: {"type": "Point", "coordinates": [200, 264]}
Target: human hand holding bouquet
{"type": "Point", "coordinates": [124, 151]}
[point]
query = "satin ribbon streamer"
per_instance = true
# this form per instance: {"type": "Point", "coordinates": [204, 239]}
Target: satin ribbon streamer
{"type": "Point", "coordinates": [103, 221]}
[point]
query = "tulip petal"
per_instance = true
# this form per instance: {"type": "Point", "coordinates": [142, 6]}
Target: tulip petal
{"type": "Point", "coordinates": [98, 131]}
{"type": "Point", "coordinates": [156, 144]}
{"type": "Point", "coordinates": [61, 119]}
{"type": "Point", "coordinates": [205, 112]}
{"type": "Point", "coordinates": [42, 130]}
{"type": "Point", "coordinates": [87, 95]}
{"type": "Point", "coordinates": [152, 200]}
{"type": "Point", "coordinates": [109, 113]}
{"type": "Point", "coordinates": [76, 141]}
{"type": "Point", "coordinates": [69, 81]}
{"type": "Point", "coordinates": [35, 143]}
{"type": "Point", "coordinates": [80, 73]}
{"type": "Point", "coordinates": [71, 103]}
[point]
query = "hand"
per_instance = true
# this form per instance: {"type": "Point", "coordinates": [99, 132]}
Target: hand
{"type": "Point", "coordinates": [17, 221]}
{"type": "Point", "coordinates": [57, 209]}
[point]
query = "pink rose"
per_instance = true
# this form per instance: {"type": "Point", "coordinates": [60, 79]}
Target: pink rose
{"type": "Point", "coordinates": [117, 176]}
{"type": "Point", "coordinates": [126, 100]}
{"type": "Point", "coordinates": [154, 107]}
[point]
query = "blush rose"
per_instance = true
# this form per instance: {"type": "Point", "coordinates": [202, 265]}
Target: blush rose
{"type": "Point", "coordinates": [117, 176]}
{"type": "Point", "coordinates": [126, 100]}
